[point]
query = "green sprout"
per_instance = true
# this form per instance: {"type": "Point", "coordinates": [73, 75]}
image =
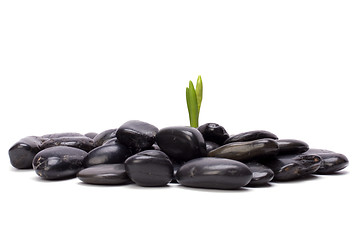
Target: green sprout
{"type": "Point", "coordinates": [194, 100]}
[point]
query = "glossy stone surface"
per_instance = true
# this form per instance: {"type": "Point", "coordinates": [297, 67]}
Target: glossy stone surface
{"type": "Point", "coordinates": [80, 142]}
{"type": "Point", "coordinates": [289, 167]}
{"type": "Point", "coordinates": [105, 174]}
{"type": "Point", "coordinates": [91, 135]}
{"type": "Point", "coordinates": [250, 136]}
{"type": "Point", "coordinates": [137, 134]}
{"type": "Point", "coordinates": [23, 152]}
{"type": "Point", "coordinates": [111, 141]}
{"type": "Point", "coordinates": [181, 143]}
{"type": "Point", "coordinates": [214, 133]}
{"type": "Point", "coordinates": [262, 174]}
{"type": "Point", "coordinates": [150, 168]}
{"type": "Point", "coordinates": [331, 161]}
{"type": "Point", "coordinates": [57, 163]}
{"type": "Point", "coordinates": [211, 146]}
{"type": "Point", "coordinates": [102, 137]}
{"type": "Point", "coordinates": [64, 134]}
{"type": "Point", "coordinates": [218, 173]}
{"type": "Point", "coordinates": [107, 154]}
{"type": "Point", "coordinates": [291, 146]}
{"type": "Point", "coordinates": [246, 151]}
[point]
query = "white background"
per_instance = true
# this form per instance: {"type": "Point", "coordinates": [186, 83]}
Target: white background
{"type": "Point", "coordinates": [288, 67]}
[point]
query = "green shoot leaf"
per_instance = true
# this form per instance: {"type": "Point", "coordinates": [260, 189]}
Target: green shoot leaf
{"type": "Point", "coordinates": [199, 92]}
{"type": "Point", "coordinates": [192, 105]}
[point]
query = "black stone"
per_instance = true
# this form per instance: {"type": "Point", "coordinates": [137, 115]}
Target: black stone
{"type": "Point", "coordinates": [102, 137]}
{"type": "Point", "coordinates": [150, 168]}
{"type": "Point", "coordinates": [57, 163]}
{"type": "Point", "coordinates": [136, 134]}
{"type": "Point", "coordinates": [211, 146]}
{"type": "Point", "coordinates": [64, 134]}
{"type": "Point", "coordinates": [181, 143]}
{"type": "Point", "coordinates": [80, 142]}
{"type": "Point", "coordinates": [291, 146]}
{"type": "Point", "coordinates": [331, 161]}
{"type": "Point", "coordinates": [91, 135]}
{"type": "Point", "coordinates": [111, 141]}
{"type": "Point", "coordinates": [105, 174]}
{"type": "Point", "coordinates": [262, 174]}
{"type": "Point", "coordinates": [23, 152]}
{"type": "Point", "coordinates": [219, 173]}
{"type": "Point", "coordinates": [107, 154]}
{"type": "Point", "coordinates": [250, 136]}
{"type": "Point", "coordinates": [247, 151]}
{"type": "Point", "coordinates": [214, 133]}
{"type": "Point", "coordinates": [289, 167]}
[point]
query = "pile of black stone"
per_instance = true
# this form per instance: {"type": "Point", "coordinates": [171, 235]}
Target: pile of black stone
{"type": "Point", "coordinates": [140, 153]}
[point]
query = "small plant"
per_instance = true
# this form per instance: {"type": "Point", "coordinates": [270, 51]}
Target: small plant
{"type": "Point", "coordinates": [194, 100]}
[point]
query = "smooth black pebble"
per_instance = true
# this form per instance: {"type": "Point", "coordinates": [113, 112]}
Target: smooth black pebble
{"type": "Point", "coordinates": [107, 154]}
{"type": "Point", "coordinates": [181, 144]}
{"type": "Point", "coordinates": [331, 161]}
{"type": "Point", "coordinates": [150, 168]}
{"type": "Point", "coordinates": [289, 167]}
{"type": "Point", "coordinates": [247, 151]}
{"type": "Point", "coordinates": [214, 133]}
{"type": "Point", "coordinates": [23, 152]}
{"type": "Point", "coordinates": [291, 146]}
{"type": "Point", "coordinates": [105, 174]}
{"type": "Point", "coordinates": [80, 142]}
{"type": "Point", "coordinates": [136, 134]}
{"type": "Point", "coordinates": [57, 163]}
{"type": "Point", "coordinates": [102, 137]}
{"type": "Point", "coordinates": [211, 146]}
{"type": "Point", "coordinates": [218, 173]}
{"type": "Point", "coordinates": [262, 174]}
{"type": "Point", "coordinates": [250, 136]}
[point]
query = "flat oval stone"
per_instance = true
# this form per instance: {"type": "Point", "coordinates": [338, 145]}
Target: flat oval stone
{"type": "Point", "coordinates": [214, 133]}
{"type": "Point", "coordinates": [23, 152]}
{"type": "Point", "coordinates": [250, 136]}
{"type": "Point", "coordinates": [289, 167]}
{"type": "Point", "coordinates": [91, 135]}
{"type": "Point", "coordinates": [105, 174]}
{"type": "Point", "coordinates": [219, 173]}
{"type": "Point", "coordinates": [64, 134]}
{"type": "Point", "coordinates": [246, 151]}
{"type": "Point", "coordinates": [181, 143]}
{"type": "Point", "coordinates": [150, 168]}
{"type": "Point", "coordinates": [137, 134]}
{"type": "Point", "coordinates": [107, 154]}
{"type": "Point", "coordinates": [57, 163]}
{"type": "Point", "coordinates": [211, 146]}
{"type": "Point", "coordinates": [291, 146]}
{"type": "Point", "coordinates": [80, 142]}
{"type": "Point", "coordinates": [262, 174]}
{"type": "Point", "coordinates": [331, 161]}
{"type": "Point", "coordinates": [102, 137]}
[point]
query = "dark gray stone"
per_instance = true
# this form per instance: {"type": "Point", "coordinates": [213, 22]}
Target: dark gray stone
{"type": "Point", "coordinates": [331, 162]}
{"type": "Point", "coordinates": [181, 143]}
{"type": "Point", "coordinates": [80, 142]}
{"type": "Point", "coordinates": [102, 137]}
{"type": "Point", "coordinates": [291, 146]}
{"type": "Point", "coordinates": [211, 146]}
{"type": "Point", "coordinates": [57, 163]}
{"type": "Point", "coordinates": [150, 168]}
{"type": "Point", "coordinates": [219, 173]}
{"type": "Point", "coordinates": [247, 151]}
{"type": "Point", "coordinates": [105, 174]}
{"type": "Point", "coordinates": [64, 134]}
{"type": "Point", "coordinates": [250, 136]}
{"type": "Point", "coordinates": [214, 133]}
{"type": "Point", "coordinates": [262, 174]}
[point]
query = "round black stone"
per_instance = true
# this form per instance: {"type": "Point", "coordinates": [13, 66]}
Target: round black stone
{"type": "Point", "coordinates": [214, 133]}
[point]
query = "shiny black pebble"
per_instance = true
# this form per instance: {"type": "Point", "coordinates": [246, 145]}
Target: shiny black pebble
{"type": "Point", "coordinates": [289, 167]}
{"type": "Point", "coordinates": [102, 137]}
{"type": "Point", "coordinates": [63, 134]}
{"type": "Point", "coordinates": [250, 136]}
{"type": "Point", "coordinates": [57, 163]}
{"type": "Point", "coordinates": [211, 146]}
{"type": "Point", "coordinates": [218, 173]}
{"type": "Point", "coordinates": [331, 161]}
{"type": "Point", "coordinates": [214, 133]}
{"type": "Point", "coordinates": [137, 134]}
{"type": "Point", "coordinates": [181, 143]}
{"type": "Point", "coordinates": [107, 154]}
{"type": "Point", "coordinates": [262, 174]}
{"type": "Point", "coordinates": [105, 174]}
{"type": "Point", "coordinates": [150, 168]}
{"type": "Point", "coordinates": [291, 146]}
{"type": "Point", "coordinates": [80, 142]}
{"type": "Point", "coordinates": [23, 152]}
{"type": "Point", "coordinates": [247, 151]}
